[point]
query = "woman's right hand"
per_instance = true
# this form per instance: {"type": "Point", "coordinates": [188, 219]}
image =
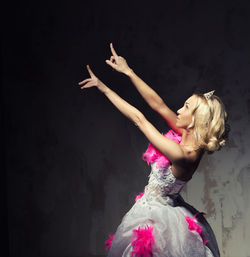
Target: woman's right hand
{"type": "Point", "coordinates": [118, 62]}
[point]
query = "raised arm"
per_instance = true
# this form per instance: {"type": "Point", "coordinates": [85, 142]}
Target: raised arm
{"type": "Point", "coordinates": [167, 146]}
{"type": "Point", "coordinates": [148, 94]}
{"type": "Point", "coordinates": [155, 101]}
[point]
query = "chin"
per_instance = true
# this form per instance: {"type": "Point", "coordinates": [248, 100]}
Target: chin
{"type": "Point", "coordinates": [177, 125]}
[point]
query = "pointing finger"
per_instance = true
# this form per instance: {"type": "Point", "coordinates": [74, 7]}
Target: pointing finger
{"type": "Point", "coordinates": [90, 71]}
{"type": "Point", "coordinates": [113, 50]}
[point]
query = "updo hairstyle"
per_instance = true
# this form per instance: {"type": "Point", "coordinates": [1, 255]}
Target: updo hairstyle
{"type": "Point", "coordinates": [209, 122]}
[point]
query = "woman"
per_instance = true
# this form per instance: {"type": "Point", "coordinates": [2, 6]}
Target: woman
{"type": "Point", "coordinates": [161, 223]}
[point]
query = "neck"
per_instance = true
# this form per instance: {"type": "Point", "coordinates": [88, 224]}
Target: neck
{"type": "Point", "coordinates": [188, 138]}
{"type": "Point", "coordinates": [189, 142]}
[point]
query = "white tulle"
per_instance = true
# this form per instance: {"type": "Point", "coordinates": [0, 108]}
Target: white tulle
{"type": "Point", "coordinates": [157, 209]}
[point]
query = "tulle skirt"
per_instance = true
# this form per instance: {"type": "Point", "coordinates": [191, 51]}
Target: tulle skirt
{"type": "Point", "coordinates": [172, 234]}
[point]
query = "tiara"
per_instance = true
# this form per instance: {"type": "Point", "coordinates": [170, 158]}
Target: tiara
{"type": "Point", "coordinates": [209, 94]}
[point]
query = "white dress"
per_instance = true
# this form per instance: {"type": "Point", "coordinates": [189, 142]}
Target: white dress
{"type": "Point", "coordinates": [162, 208]}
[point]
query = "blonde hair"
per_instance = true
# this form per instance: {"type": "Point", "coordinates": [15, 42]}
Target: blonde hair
{"type": "Point", "coordinates": [209, 119]}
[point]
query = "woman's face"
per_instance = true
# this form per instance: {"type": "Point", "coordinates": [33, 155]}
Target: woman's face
{"type": "Point", "coordinates": [184, 117]}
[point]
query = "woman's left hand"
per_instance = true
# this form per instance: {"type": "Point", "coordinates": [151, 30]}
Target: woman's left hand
{"type": "Point", "coordinates": [93, 81]}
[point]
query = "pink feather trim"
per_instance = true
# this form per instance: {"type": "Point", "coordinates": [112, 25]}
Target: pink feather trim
{"type": "Point", "coordinates": [154, 155]}
{"type": "Point", "coordinates": [108, 242]}
{"type": "Point", "coordinates": [193, 225]}
{"type": "Point", "coordinates": [142, 241]}
{"type": "Point", "coordinates": [139, 196]}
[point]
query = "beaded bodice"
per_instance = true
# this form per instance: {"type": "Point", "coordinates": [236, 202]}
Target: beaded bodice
{"type": "Point", "coordinates": [162, 184]}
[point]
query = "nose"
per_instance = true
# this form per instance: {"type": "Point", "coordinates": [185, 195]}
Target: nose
{"type": "Point", "coordinates": [179, 111]}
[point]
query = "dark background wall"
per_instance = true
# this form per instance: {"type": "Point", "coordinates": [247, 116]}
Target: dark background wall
{"type": "Point", "coordinates": [72, 161]}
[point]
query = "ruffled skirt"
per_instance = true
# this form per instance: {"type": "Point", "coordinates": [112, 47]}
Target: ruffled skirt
{"type": "Point", "coordinates": [172, 234]}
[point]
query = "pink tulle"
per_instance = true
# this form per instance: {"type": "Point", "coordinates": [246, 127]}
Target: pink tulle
{"type": "Point", "coordinates": [142, 241]}
{"type": "Point", "coordinates": [193, 225]}
{"type": "Point", "coordinates": [108, 242]}
{"type": "Point", "coordinates": [152, 154]}
{"type": "Point", "coordinates": [139, 196]}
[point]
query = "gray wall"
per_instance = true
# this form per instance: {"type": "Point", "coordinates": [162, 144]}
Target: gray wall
{"type": "Point", "coordinates": [72, 160]}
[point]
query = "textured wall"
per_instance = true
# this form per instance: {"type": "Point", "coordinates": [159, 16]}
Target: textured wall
{"type": "Point", "coordinates": [73, 162]}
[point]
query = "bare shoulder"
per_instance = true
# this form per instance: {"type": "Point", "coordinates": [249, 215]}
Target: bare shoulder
{"type": "Point", "coordinates": [185, 169]}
